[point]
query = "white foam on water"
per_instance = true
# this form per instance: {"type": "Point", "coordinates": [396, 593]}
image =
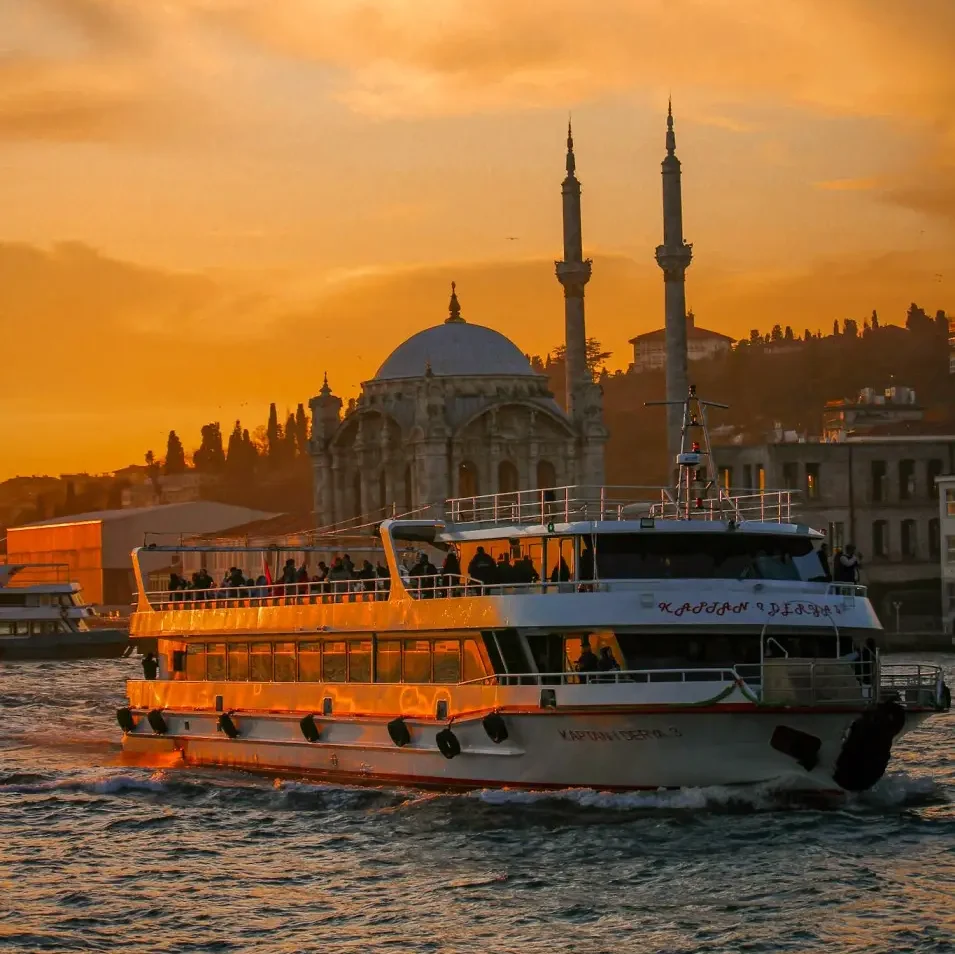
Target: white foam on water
{"type": "Point", "coordinates": [100, 785]}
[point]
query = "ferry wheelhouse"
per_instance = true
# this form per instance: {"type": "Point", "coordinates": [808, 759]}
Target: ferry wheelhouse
{"type": "Point", "coordinates": [43, 616]}
{"type": "Point", "coordinates": [580, 637]}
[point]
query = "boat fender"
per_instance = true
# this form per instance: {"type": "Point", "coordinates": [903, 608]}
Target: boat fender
{"type": "Point", "coordinates": [946, 700]}
{"type": "Point", "coordinates": [310, 730]}
{"type": "Point", "coordinates": [868, 744]}
{"type": "Point", "coordinates": [801, 746]}
{"type": "Point", "coordinates": [227, 725]}
{"type": "Point", "coordinates": [157, 722]}
{"type": "Point", "coordinates": [399, 732]}
{"type": "Point", "coordinates": [448, 743]}
{"type": "Point", "coordinates": [495, 727]}
{"type": "Point", "coordinates": [125, 719]}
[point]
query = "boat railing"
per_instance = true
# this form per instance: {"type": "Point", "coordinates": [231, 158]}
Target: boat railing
{"type": "Point", "coordinates": [14, 574]}
{"type": "Point", "coordinates": [573, 677]}
{"type": "Point", "coordinates": [766, 506]}
{"type": "Point", "coordinates": [847, 589]}
{"type": "Point", "coordinates": [583, 502]}
{"type": "Point", "coordinates": [781, 682]}
{"type": "Point", "coordinates": [914, 684]}
{"type": "Point", "coordinates": [271, 594]}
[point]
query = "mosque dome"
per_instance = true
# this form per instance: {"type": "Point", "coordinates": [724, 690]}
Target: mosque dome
{"type": "Point", "coordinates": [455, 349]}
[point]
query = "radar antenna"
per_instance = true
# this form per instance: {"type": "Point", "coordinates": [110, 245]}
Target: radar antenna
{"type": "Point", "coordinates": [695, 472]}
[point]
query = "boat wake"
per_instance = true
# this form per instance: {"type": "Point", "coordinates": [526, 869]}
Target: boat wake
{"type": "Point", "coordinates": [896, 791]}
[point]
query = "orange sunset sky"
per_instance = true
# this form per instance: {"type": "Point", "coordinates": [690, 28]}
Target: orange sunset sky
{"type": "Point", "coordinates": [205, 204]}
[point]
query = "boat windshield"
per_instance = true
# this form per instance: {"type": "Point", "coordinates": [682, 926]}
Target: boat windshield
{"type": "Point", "coordinates": [734, 556]}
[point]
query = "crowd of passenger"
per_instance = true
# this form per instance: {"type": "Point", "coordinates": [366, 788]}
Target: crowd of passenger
{"type": "Point", "coordinates": [340, 578]}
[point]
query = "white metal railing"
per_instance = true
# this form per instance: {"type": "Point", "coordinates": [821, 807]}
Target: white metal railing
{"type": "Point", "coordinates": [847, 589]}
{"type": "Point", "coordinates": [804, 682]}
{"type": "Point", "coordinates": [574, 678]}
{"type": "Point", "coordinates": [271, 594]}
{"type": "Point", "coordinates": [14, 574]}
{"type": "Point", "coordinates": [914, 684]}
{"type": "Point", "coordinates": [769, 506]}
{"type": "Point", "coordinates": [581, 502]}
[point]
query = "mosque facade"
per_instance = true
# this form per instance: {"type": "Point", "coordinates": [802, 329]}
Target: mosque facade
{"type": "Point", "coordinates": [457, 410]}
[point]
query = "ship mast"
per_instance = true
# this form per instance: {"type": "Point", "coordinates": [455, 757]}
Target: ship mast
{"type": "Point", "coordinates": [696, 475]}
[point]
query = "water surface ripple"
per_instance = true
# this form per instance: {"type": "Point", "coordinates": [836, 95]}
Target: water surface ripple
{"type": "Point", "coordinates": [101, 857]}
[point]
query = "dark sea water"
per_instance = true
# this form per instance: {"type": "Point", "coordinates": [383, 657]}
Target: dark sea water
{"type": "Point", "coordinates": [99, 857]}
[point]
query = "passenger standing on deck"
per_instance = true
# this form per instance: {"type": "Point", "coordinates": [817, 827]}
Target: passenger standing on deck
{"type": "Point", "coordinates": [150, 666]}
{"type": "Point", "coordinates": [847, 563]}
{"type": "Point", "coordinates": [587, 662]}
{"type": "Point", "coordinates": [451, 573]}
{"type": "Point", "coordinates": [606, 662]}
{"type": "Point", "coordinates": [482, 567]}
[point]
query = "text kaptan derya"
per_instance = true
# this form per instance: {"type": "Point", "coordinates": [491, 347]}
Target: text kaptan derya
{"type": "Point", "coordinates": [618, 735]}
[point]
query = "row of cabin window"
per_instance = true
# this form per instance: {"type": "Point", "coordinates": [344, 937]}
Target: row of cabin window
{"type": "Point", "coordinates": [443, 661]}
{"type": "Point", "coordinates": [37, 627]}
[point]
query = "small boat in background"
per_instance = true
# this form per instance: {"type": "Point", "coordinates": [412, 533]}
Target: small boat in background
{"type": "Point", "coordinates": [43, 616]}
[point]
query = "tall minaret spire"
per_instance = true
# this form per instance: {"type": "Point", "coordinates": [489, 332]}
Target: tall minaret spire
{"type": "Point", "coordinates": [674, 256]}
{"type": "Point", "coordinates": [573, 272]}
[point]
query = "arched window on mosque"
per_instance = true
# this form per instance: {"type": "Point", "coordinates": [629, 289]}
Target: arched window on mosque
{"type": "Point", "coordinates": [467, 479]}
{"type": "Point", "coordinates": [546, 474]}
{"type": "Point", "coordinates": [383, 501]}
{"type": "Point", "coordinates": [507, 481]}
{"type": "Point", "coordinates": [356, 494]}
{"type": "Point", "coordinates": [409, 490]}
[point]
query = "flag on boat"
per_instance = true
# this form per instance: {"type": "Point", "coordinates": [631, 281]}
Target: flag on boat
{"type": "Point", "coordinates": [268, 572]}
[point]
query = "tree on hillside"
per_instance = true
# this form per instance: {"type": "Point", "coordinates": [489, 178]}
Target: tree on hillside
{"type": "Point", "coordinates": [242, 455]}
{"type": "Point", "coordinates": [806, 335]}
{"type": "Point", "coordinates": [875, 320]}
{"type": "Point", "coordinates": [152, 470]}
{"type": "Point", "coordinates": [850, 329]}
{"type": "Point", "coordinates": [916, 320]}
{"type": "Point", "coordinates": [301, 429]}
{"type": "Point", "coordinates": [596, 356]}
{"type": "Point", "coordinates": [290, 450]}
{"type": "Point", "coordinates": [788, 334]}
{"type": "Point", "coordinates": [175, 455]}
{"type": "Point", "coordinates": [210, 458]}
{"type": "Point", "coordinates": [754, 336]}
{"type": "Point", "coordinates": [777, 333]}
{"type": "Point", "coordinates": [273, 435]}
{"type": "Point", "coordinates": [941, 322]}
{"type": "Point", "coordinates": [835, 327]}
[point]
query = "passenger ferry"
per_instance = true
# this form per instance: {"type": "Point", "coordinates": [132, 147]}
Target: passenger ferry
{"type": "Point", "coordinates": [724, 655]}
{"type": "Point", "coordinates": [43, 616]}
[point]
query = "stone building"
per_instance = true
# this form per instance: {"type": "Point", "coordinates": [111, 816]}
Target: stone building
{"type": "Point", "coordinates": [650, 348]}
{"type": "Point", "coordinates": [457, 410]}
{"type": "Point", "coordinates": [946, 515]}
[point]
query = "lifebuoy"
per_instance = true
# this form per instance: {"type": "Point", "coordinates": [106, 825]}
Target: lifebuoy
{"type": "Point", "coordinates": [310, 730]}
{"type": "Point", "coordinates": [868, 745]}
{"type": "Point", "coordinates": [448, 743]}
{"type": "Point", "coordinates": [495, 727]}
{"type": "Point", "coordinates": [227, 725]}
{"type": "Point", "coordinates": [399, 732]}
{"type": "Point", "coordinates": [125, 719]}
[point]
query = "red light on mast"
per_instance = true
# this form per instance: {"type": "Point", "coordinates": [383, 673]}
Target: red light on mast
{"type": "Point", "coordinates": [695, 447]}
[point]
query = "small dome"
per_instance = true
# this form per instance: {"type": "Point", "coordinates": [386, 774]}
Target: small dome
{"type": "Point", "coordinates": [455, 348]}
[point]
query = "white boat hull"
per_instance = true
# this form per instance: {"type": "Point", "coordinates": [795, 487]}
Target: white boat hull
{"type": "Point", "coordinates": [547, 749]}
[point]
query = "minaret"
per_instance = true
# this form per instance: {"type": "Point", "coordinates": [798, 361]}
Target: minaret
{"type": "Point", "coordinates": [673, 256]}
{"type": "Point", "coordinates": [573, 273]}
